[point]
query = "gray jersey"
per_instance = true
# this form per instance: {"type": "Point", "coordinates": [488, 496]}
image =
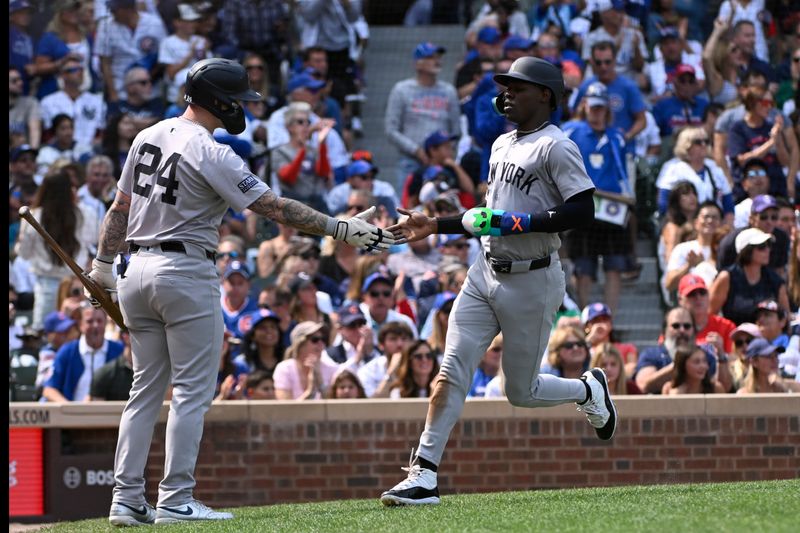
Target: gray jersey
{"type": "Point", "coordinates": [532, 174]}
{"type": "Point", "coordinates": [181, 182]}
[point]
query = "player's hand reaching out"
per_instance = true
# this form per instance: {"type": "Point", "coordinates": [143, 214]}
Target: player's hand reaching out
{"type": "Point", "coordinates": [357, 231]}
{"type": "Point", "coordinates": [414, 227]}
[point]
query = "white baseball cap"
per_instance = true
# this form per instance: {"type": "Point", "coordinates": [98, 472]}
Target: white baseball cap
{"type": "Point", "coordinates": [751, 237]}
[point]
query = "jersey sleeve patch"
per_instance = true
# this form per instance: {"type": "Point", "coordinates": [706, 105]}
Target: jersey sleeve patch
{"type": "Point", "coordinates": [248, 183]}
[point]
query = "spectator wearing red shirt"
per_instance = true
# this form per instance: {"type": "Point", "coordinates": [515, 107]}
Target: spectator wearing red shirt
{"type": "Point", "coordinates": [713, 330]}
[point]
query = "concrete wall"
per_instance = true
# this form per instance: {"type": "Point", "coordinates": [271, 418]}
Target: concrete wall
{"type": "Point", "coordinates": [258, 453]}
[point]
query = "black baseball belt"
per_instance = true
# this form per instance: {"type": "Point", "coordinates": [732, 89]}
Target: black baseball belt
{"type": "Point", "coordinates": [506, 266]}
{"type": "Point", "coordinates": [169, 246]}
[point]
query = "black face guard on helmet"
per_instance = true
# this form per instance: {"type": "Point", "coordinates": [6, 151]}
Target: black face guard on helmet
{"type": "Point", "coordinates": [218, 85]}
{"type": "Point", "coordinates": [533, 70]}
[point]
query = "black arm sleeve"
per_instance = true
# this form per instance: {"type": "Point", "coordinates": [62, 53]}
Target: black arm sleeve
{"type": "Point", "coordinates": [576, 212]}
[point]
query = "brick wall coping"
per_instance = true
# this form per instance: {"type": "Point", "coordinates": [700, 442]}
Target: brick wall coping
{"type": "Point", "coordinates": [107, 414]}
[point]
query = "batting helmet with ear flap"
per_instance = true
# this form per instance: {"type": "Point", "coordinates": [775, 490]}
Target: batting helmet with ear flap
{"type": "Point", "coordinates": [217, 85]}
{"type": "Point", "coordinates": [537, 71]}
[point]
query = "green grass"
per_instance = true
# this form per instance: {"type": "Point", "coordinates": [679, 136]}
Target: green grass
{"type": "Point", "coordinates": [768, 506]}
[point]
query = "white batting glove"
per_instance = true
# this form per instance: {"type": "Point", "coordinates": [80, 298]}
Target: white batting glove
{"type": "Point", "coordinates": [103, 274]}
{"type": "Point", "coordinates": [357, 232]}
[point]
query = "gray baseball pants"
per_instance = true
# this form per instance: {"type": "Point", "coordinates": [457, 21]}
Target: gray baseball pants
{"type": "Point", "coordinates": [522, 306]}
{"type": "Point", "coordinates": [171, 304]}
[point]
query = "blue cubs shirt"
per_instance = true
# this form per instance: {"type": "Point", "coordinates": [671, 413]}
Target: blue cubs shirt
{"type": "Point", "coordinates": [598, 152]}
{"type": "Point", "coordinates": [672, 114]}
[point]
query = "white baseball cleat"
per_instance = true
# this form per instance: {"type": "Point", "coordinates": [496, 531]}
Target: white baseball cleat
{"type": "Point", "coordinates": [599, 408]}
{"type": "Point", "coordinates": [418, 488]}
{"type": "Point", "coordinates": [124, 515]}
{"type": "Point", "coordinates": [191, 511]}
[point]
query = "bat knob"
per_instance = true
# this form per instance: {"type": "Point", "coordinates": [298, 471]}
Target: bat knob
{"type": "Point", "coordinates": [23, 211]}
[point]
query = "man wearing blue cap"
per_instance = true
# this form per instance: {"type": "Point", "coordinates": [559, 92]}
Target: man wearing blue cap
{"type": "Point", "coordinates": [440, 150]}
{"type": "Point", "coordinates": [58, 330]}
{"type": "Point", "coordinates": [361, 177]}
{"type": "Point", "coordinates": [418, 106]}
{"type": "Point", "coordinates": [236, 300]}
{"type": "Point", "coordinates": [377, 293]}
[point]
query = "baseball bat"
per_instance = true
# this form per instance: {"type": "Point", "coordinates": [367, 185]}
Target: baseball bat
{"type": "Point", "coordinates": [97, 292]}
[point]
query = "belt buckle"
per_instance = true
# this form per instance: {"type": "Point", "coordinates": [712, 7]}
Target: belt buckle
{"type": "Point", "coordinates": [500, 265]}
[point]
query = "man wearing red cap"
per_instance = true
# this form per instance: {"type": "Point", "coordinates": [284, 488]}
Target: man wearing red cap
{"type": "Point", "coordinates": [713, 330]}
{"type": "Point", "coordinates": [684, 108]}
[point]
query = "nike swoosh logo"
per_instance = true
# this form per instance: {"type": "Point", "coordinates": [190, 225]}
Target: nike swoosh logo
{"type": "Point", "coordinates": [143, 511]}
{"type": "Point", "coordinates": [187, 512]}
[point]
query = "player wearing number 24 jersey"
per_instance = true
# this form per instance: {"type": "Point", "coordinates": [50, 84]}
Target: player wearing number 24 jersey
{"type": "Point", "coordinates": [537, 187]}
{"type": "Point", "coordinates": [176, 186]}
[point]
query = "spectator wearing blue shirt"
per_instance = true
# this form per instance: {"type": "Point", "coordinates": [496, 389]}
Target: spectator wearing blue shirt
{"type": "Point", "coordinates": [487, 368]}
{"type": "Point", "coordinates": [602, 147]}
{"type": "Point", "coordinates": [236, 300]}
{"type": "Point", "coordinates": [76, 361]}
{"type": "Point", "coordinates": [625, 99]}
{"type": "Point", "coordinates": [683, 109]}
{"type": "Point", "coordinates": [64, 39]}
{"type": "Point", "coordinates": [655, 366]}
{"type": "Point", "coordinates": [20, 43]}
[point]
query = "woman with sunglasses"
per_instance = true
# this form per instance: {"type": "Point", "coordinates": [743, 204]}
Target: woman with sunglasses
{"type": "Point", "coordinates": [417, 372]}
{"type": "Point", "coordinates": [738, 289]}
{"type": "Point", "coordinates": [567, 353]}
{"type": "Point", "coordinates": [693, 164]}
{"type": "Point", "coordinates": [763, 376]}
{"type": "Point", "coordinates": [746, 141]}
{"type": "Point", "coordinates": [302, 169]}
{"type": "Point", "coordinates": [303, 375]}
{"type": "Point", "coordinates": [741, 337]}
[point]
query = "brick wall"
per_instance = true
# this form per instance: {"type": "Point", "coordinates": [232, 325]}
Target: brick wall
{"type": "Point", "coordinates": [256, 453]}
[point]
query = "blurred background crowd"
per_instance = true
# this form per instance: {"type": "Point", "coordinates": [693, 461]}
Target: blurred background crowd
{"type": "Point", "coordinates": [685, 111]}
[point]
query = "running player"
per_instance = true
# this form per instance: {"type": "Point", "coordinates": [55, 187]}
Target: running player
{"type": "Point", "coordinates": [537, 187]}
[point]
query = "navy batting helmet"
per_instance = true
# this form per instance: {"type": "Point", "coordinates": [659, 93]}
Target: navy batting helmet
{"type": "Point", "coordinates": [538, 71]}
{"type": "Point", "coordinates": [217, 85]}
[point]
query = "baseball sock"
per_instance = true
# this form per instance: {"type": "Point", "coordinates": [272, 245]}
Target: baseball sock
{"type": "Point", "coordinates": [424, 463]}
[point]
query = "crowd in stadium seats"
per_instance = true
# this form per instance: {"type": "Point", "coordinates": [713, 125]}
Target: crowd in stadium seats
{"type": "Point", "coordinates": [685, 112]}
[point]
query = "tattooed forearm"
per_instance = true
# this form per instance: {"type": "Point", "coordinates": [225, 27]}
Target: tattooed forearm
{"type": "Point", "coordinates": [115, 228]}
{"type": "Point", "coordinates": [292, 213]}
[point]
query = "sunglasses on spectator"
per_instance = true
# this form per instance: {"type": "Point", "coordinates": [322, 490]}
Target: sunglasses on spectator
{"type": "Point", "coordinates": [356, 207]}
{"type": "Point", "coordinates": [301, 121]}
{"type": "Point", "coordinates": [572, 345]}
{"type": "Point", "coordinates": [254, 67]}
{"type": "Point", "coordinates": [377, 294]}
{"type": "Point", "coordinates": [140, 82]}
{"type": "Point", "coordinates": [756, 173]}
{"type": "Point", "coordinates": [357, 324]}
{"type": "Point", "coordinates": [763, 245]}
{"type": "Point", "coordinates": [742, 342]}
{"type": "Point", "coordinates": [766, 216]}
{"type": "Point", "coordinates": [700, 142]}
{"type": "Point", "coordinates": [228, 255]}
{"type": "Point", "coordinates": [601, 62]}
{"type": "Point", "coordinates": [73, 70]}
{"type": "Point", "coordinates": [316, 339]}
{"type": "Point", "coordinates": [420, 356]}
{"type": "Point", "coordinates": [681, 325]}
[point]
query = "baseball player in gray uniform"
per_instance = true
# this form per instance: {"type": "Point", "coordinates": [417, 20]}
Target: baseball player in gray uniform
{"type": "Point", "coordinates": [175, 187]}
{"type": "Point", "coordinates": [537, 187]}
